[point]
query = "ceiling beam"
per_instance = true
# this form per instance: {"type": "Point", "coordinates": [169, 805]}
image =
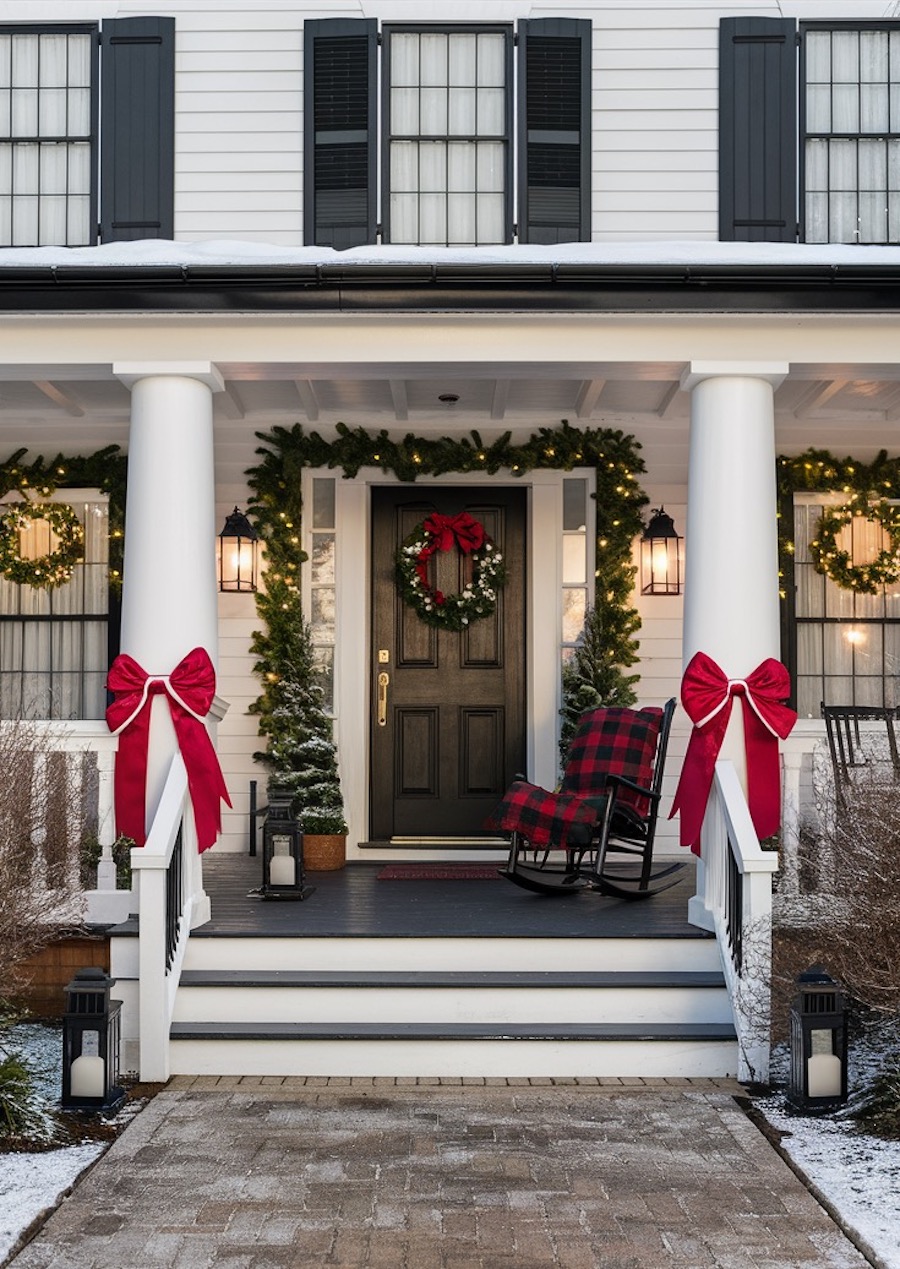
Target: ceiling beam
{"type": "Point", "coordinates": [60, 397]}
{"type": "Point", "coordinates": [588, 396]}
{"type": "Point", "coordinates": [400, 399]}
{"type": "Point", "coordinates": [665, 407]}
{"type": "Point", "coordinates": [500, 398]}
{"type": "Point", "coordinates": [310, 401]}
{"type": "Point", "coordinates": [230, 403]}
{"type": "Point", "coordinates": [817, 396]}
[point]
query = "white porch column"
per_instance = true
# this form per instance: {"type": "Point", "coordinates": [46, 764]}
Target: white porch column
{"type": "Point", "coordinates": [169, 593]}
{"type": "Point", "coordinates": [731, 568]}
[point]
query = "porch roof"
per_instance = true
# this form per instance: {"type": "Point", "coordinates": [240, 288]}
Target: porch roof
{"type": "Point", "coordinates": [578, 277]}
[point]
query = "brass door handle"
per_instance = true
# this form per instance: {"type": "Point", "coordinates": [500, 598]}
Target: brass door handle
{"type": "Point", "coordinates": [383, 680]}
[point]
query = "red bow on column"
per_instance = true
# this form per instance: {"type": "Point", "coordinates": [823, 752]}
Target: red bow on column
{"type": "Point", "coordinates": [707, 696]}
{"type": "Point", "coordinates": [190, 689]}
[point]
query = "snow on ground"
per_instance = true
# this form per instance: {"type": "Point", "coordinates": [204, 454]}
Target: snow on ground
{"type": "Point", "coordinates": [32, 1183]}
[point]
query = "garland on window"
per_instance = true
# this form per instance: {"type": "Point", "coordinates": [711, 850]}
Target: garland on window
{"type": "Point", "coordinates": [48, 570]}
{"type": "Point", "coordinates": [477, 599]}
{"type": "Point", "coordinates": [867, 489]}
{"type": "Point", "coordinates": [104, 470]}
{"type": "Point", "coordinates": [276, 510]}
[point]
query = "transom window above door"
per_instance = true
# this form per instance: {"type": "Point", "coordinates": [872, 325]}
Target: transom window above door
{"type": "Point", "coordinates": [437, 164]}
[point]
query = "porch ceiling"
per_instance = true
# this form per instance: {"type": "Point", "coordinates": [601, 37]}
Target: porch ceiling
{"type": "Point", "coordinates": [849, 409]}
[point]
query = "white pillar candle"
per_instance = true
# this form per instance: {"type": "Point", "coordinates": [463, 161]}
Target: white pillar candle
{"type": "Point", "coordinates": [823, 1075]}
{"type": "Point", "coordinates": [282, 871]}
{"type": "Point", "coordinates": [88, 1076]}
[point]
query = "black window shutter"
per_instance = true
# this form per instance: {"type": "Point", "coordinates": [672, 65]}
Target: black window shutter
{"type": "Point", "coordinates": [137, 129]}
{"type": "Point", "coordinates": [554, 130]}
{"type": "Point", "coordinates": [757, 130]}
{"type": "Point", "coordinates": [339, 184]}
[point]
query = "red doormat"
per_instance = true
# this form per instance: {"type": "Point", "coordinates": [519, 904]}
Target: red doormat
{"type": "Point", "coordinates": [439, 872]}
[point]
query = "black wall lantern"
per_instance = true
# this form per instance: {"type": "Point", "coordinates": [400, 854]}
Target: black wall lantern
{"type": "Point", "coordinates": [818, 1080]}
{"type": "Point", "coordinates": [283, 876]}
{"type": "Point", "coordinates": [662, 554]}
{"type": "Point", "coordinates": [238, 551]}
{"type": "Point", "coordinates": [91, 1044]}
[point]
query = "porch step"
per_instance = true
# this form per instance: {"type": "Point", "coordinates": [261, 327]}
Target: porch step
{"type": "Point", "coordinates": [453, 1016]}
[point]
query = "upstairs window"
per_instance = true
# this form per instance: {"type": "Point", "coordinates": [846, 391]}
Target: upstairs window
{"type": "Point", "coordinates": [851, 112]}
{"type": "Point", "coordinates": [86, 132]}
{"type": "Point", "coordinates": [828, 171]}
{"type": "Point", "coordinates": [439, 169]}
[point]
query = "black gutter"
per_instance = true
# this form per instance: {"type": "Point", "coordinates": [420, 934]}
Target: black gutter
{"type": "Point", "coordinates": [443, 288]}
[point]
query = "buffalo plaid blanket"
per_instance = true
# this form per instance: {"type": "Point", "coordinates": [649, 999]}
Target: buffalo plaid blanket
{"type": "Point", "coordinates": [609, 741]}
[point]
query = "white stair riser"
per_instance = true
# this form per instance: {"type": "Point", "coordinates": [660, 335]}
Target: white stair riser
{"type": "Point", "coordinates": [453, 955]}
{"type": "Point", "coordinates": [451, 1005]}
{"type": "Point", "coordinates": [473, 1058]}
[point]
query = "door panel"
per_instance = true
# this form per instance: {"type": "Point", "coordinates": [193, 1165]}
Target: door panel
{"type": "Point", "coordinates": [453, 731]}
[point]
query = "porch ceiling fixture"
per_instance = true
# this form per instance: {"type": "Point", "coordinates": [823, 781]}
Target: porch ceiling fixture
{"type": "Point", "coordinates": [662, 555]}
{"type": "Point", "coordinates": [238, 554]}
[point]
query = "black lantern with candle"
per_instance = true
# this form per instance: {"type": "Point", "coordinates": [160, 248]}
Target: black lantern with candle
{"type": "Point", "coordinates": [91, 1044]}
{"type": "Point", "coordinates": [818, 1079]}
{"type": "Point", "coordinates": [283, 876]}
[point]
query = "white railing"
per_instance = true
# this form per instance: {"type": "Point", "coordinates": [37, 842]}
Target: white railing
{"type": "Point", "coordinates": [167, 903]}
{"type": "Point", "coordinates": [734, 899]}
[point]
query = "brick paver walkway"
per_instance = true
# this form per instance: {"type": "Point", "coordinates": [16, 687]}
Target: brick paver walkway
{"type": "Point", "coordinates": [265, 1173]}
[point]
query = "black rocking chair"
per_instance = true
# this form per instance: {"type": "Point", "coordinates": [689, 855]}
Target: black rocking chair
{"type": "Point", "coordinates": [853, 749]}
{"type": "Point", "coordinates": [607, 805]}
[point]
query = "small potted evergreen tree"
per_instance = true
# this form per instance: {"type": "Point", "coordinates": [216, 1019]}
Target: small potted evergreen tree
{"type": "Point", "coordinates": [301, 752]}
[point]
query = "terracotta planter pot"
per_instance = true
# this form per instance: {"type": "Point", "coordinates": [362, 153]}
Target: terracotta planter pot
{"type": "Point", "coordinates": [324, 852]}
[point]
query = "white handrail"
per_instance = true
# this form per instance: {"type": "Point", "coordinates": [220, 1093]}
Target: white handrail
{"type": "Point", "coordinates": [163, 934]}
{"type": "Point", "coordinates": [736, 880]}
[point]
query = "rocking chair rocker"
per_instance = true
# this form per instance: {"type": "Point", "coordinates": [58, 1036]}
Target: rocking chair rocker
{"type": "Point", "coordinates": [607, 805]}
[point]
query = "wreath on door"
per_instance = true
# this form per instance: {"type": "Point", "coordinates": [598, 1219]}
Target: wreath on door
{"type": "Point", "coordinates": [477, 599]}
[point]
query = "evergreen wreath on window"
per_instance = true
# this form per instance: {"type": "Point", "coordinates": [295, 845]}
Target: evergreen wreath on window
{"type": "Point", "coordinates": [477, 599]}
{"type": "Point", "coordinates": [833, 561]}
{"type": "Point", "coordinates": [54, 568]}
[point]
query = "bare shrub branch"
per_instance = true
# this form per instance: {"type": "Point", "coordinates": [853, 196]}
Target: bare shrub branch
{"type": "Point", "coordinates": [41, 828]}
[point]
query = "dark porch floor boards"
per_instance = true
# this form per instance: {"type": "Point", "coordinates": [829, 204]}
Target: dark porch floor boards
{"type": "Point", "coordinates": [354, 903]}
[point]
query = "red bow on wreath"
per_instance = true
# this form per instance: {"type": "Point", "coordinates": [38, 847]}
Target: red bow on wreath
{"type": "Point", "coordinates": [190, 689]}
{"type": "Point", "coordinates": [707, 695]}
{"type": "Point", "coordinates": [444, 531]}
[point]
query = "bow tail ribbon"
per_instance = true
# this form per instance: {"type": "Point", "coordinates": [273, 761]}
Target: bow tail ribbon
{"type": "Point", "coordinates": [707, 696]}
{"type": "Point", "coordinates": [189, 690]}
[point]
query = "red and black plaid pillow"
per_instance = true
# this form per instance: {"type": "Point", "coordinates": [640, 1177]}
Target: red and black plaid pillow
{"type": "Point", "coordinates": [613, 740]}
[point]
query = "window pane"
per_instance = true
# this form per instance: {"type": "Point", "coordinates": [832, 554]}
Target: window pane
{"type": "Point", "coordinates": [322, 560]}
{"type": "Point", "coordinates": [873, 108]}
{"type": "Point", "coordinates": [574, 564]}
{"type": "Point", "coordinates": [462, 60]}
{"type": "Point", "coordinates": [574, 606]}
{"type": "Point", "coordinates": [817, 165]}
{"type": "Point", "coordinates": [24, 112]}
{"type": "Point", "coordinates": [404, 166]}
{"type": "Point", "coordinates": [845, 56]}
{"type": "Point", "coordinates": [461, 166]}
{"type": "Point", "coordinates": [323, 503]}
{"type": "Point", "coordinates": [25, 61]}
{"type": "Point", "coordinates": [842, 222]}
{"type": "Point", "coordinates": [433, 68]}
{"type": "Point", "coordinates": [433, 218]}
{"type": "Point", "coordinates": [491, 157]}
{"type": "Point", "coordinates": [490, 218]}
{"type": "Point", "coordinates": [491, 61]}
{"type": "Point", "coordinates": [462, 112]}
{"type": "Point", "coordinates": [54, 169]}
{"type": "Point", "coordinates": [491, 112]}
{"type": "Point", "coordinates": [24, 222]}
{"type": "Point", "coordinates": [52, 227]}
{"type": "Point", "coordinates": [818, 57]}
{"type": "Point", "coordinates": [845, 108]}
{"type": "Point", "coordinates": [432, 167]}
{"type": "Point", "coordinates": [79, 61]}
{"type": "Point", "coordinates": [433, 107]}
{"type": "Point", "coordinates": [872, 218]}
{"type": "Point", "coordinates": [405, 111]}
{"type": "Point", "coordinates": [574, 504]}
{"type": "Point", "coordinates": [873, 56]}
{"type": "Point", "coordinates": [404, 60]}
{"type": "Point", "coordinates": [818, 108]}
{"type": "Point", "coordinates": [79, 113]}
{"type": "Point", "coordinates": [404, 218]}
{"type": "Point", "coordinates": [78, 221]}
{"type": "Point", "coordinates": [461, 220]}
{"type": "Point", "coordinates": [54, 61]}
{"type": "Point", "coordinates": [872, 165]}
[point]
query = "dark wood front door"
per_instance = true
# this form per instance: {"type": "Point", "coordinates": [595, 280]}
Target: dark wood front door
{"type": "Point", "coordinates": [450, 733]}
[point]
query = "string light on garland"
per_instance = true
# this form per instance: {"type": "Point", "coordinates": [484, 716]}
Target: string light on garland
{"type": "Point", "coordinates": [53, 567]}
{"type": "Point", "coordinates": [836, 562]}
{"type": "Point", "coordinates": [477, 599]}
